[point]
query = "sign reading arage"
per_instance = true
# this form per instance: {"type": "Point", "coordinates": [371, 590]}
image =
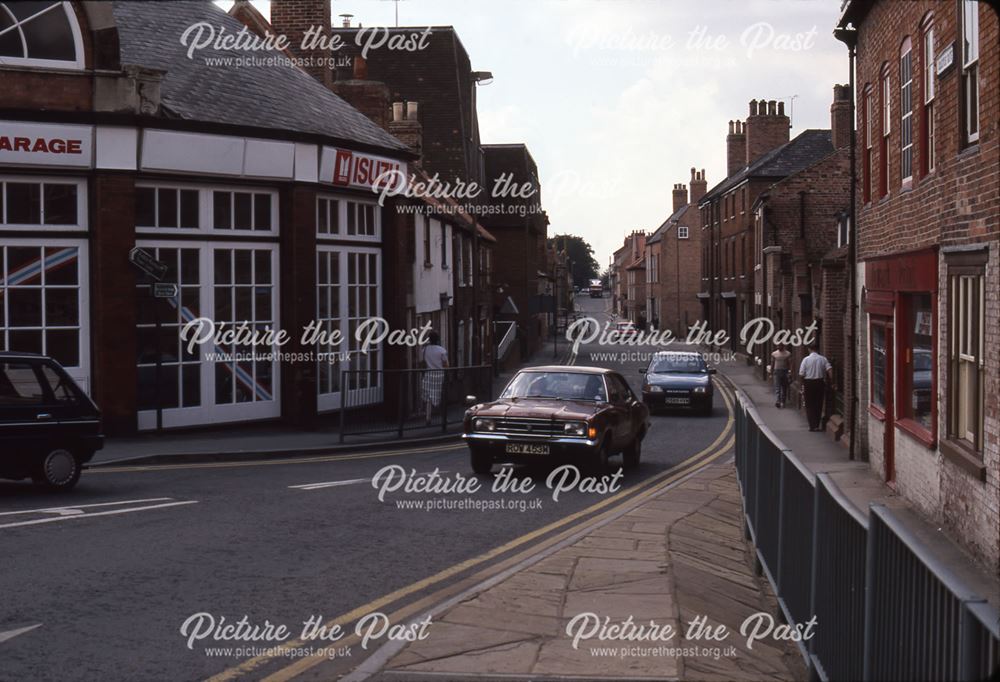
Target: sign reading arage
{"type": "Point", "coordinates": [39, 144]}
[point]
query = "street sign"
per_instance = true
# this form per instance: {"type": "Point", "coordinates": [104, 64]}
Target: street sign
{"type": "Point", "coordinates": [145, 261]}
{"type": "Point", "coordinates": [164, 290]}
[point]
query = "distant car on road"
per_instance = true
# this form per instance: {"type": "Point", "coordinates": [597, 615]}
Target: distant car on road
{"type": "Point", "coordinates": [577, 415]}
{"type": "Point", "coordinates": [596, 288]}
{"type": "Point", "coordinates": [49, 428]}
{"type": "Point", "coordinates": [626, 330]}
{"type": "Point", "coordinates": [678, 379]}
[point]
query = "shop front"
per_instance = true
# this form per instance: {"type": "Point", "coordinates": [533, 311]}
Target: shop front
{"type": "Point", "coordinates": [901, 301]}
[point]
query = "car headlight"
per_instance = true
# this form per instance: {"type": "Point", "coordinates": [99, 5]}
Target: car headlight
{"type": "Point", "coordinates": [575, 428]}
{"type": "Point", "coordinates": [652, 388]}
{"type": "Point", "coordinates": [700, 389]}
{"type": "Point", "coordinates": [482, 424]}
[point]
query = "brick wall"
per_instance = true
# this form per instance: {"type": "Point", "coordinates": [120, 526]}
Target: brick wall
{"type": "Point", "coordinates": [957, 204]}
{"type": "Point", "coordinates": [293, 18]}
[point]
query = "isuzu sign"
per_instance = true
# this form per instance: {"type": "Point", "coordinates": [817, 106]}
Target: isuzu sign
{"type": "Point", "coordinates": [346, 168]}
{"type": "Point", "coordinates": [39, 144]}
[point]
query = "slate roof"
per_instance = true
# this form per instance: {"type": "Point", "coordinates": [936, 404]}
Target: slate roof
{"type": "Point", "coordinates": [277, 97]}
{"type": "Point", "coordinates": [661, 230]}
{"type": "Point", "coordinates": [804, 150]}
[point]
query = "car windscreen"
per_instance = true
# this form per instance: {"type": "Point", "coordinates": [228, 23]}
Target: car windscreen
{"type": "Point", "coordinates": [678, 364]}
{"type": "Point", "coordinates": [557, 385]}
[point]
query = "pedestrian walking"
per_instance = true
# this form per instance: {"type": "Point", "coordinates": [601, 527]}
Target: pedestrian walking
{"type": "Point", "coordinates": [435, 361]}
{"type": "Point", "coordinates": [813, 370]}
{"type": "Point", "coordinates": [781, 360]}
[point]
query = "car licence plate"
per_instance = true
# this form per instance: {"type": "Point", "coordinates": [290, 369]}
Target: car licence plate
{"type": "Point", "coordinates": [526, 449]}
{"type": "Point", "coordinates": [676, 401]}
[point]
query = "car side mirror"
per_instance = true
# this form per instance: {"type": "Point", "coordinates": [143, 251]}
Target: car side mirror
{"type": "Point", "coordinates": [471, 400]}
{"type": "Point", "coordinates": [713, 371]}
{"type": "Point", "coordinates": [642, 371]}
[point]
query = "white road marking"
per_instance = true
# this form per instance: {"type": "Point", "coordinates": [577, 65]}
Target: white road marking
{"type": "Point", "coordinates": [329, 484]}
{"type": "Point", "coordinates": [75, 508]}
{"type": "Point", "coordinates": [11, 634]}
{"type": "Point", "coordinates": [53, 519]}
{"type": "Point", "coordinates": [334, 484]}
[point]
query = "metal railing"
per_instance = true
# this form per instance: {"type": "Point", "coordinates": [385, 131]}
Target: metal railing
{"type": "Point", "coordinates": [885, 607]}
{"type": "Point", "coordinates": [395, 400]}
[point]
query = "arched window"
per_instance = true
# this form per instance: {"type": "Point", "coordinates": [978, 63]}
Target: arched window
{"type": "Point", "coordinates": [40, 34]}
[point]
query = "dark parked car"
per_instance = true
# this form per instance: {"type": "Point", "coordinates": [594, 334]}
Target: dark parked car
{"type": "Point", "coordinates": [580, 415]}
{"type": "Point", "coordinates": [49, 428]}
{"type": "Point", "coordinates": [678, 379]}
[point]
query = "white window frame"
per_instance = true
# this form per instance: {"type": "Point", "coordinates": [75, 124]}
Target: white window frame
{"type": "Point", "coordinates": [682, 232]}
{"type": "Point", "coordinates": [362, 396]}
{"type": "Point", "coordinates": [970, 64]}
{"type": "Point", "coordinates": [81, 203]}
{"type": "Point", "coordinates": [929, 92]}
{"type": "Point", "coordinates": [81, 372]}
{"type": "Point", "coordinates": [346, 202]}
{"type": "Point", "coordinates": [208, 412]}
{"type": "Point", "coordinates": [206, 214]}
{"type": "Point", "coordinates": [75, 65]}
{"type": "Point", "coordinates": [906, 114]}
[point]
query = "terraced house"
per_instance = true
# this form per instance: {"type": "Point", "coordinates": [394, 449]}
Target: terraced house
{"type": "Point", "coordinates": [928, 225]}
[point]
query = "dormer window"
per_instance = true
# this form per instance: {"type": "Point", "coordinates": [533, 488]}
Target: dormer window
{"type": "Point", "coordinates": [44, 34]}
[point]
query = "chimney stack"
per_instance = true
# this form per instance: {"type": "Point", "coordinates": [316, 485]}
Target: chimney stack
{"type": "Point", "coordinates": [369, 97]}
{"type": "Point", "coordinates": [293, 18]}
{"type": "Point", "coordinates": [406, 127]}
{"type": "Point", "coordinates": [680, 197]}
{"type": "Point", "coordinates": [699, 185]}
{"type": "Point", "coordinates": [840, 116]}
{"type": "Point", "coordinates": [736, 148]}
{"type": "Point", "coordinates": [766, 128]}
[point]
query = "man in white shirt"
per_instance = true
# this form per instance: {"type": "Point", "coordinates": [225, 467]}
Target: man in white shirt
{"type": "Point", "coordinates": [436, 360]}
{"type": "Point", "coordinates": [813, 369]}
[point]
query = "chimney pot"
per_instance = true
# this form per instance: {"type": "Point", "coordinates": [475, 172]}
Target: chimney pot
{"type": "Point", "coordinates": [772, 108]}
{"type": "Point", "coordinates": [397, 111]}
{"type": "Point", "coordinates": [781, 108]}
{"type": "Point", "coordinates": [753, 107]}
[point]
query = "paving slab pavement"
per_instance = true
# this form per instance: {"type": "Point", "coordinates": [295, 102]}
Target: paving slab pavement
{"type": "Point", "coordinates": [678, 556]}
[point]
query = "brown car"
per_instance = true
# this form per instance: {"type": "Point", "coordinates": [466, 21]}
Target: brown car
{"type": "Point", "coordinates": [580, 415]}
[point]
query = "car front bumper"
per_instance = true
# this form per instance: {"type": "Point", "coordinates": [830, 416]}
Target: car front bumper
{"type": "Point", "coordinates": [559, 447]}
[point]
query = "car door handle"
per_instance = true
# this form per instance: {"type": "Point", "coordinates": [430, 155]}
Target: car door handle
{"type": "Point", "coordinates": [42, 416]}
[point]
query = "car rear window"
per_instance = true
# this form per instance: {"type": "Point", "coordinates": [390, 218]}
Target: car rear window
{"type": "Point", "coordinates": [19, 384]}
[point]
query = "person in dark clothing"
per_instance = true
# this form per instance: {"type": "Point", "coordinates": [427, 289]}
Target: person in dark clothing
{"type": "Point", "coordinates": [814, 369]}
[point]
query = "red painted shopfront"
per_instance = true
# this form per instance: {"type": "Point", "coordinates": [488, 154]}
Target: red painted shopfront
{"type": "Point", "coordinates": [900, 299]}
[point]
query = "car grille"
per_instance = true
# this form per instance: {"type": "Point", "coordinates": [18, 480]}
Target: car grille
{"type": "Point", "coordinates": [677, 392]}
{"type": "Point", "coordinates": [529, 427]}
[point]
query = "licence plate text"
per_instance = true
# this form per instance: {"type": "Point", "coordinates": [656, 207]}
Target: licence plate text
{"type": "Point", "coordinates": [526, 449]}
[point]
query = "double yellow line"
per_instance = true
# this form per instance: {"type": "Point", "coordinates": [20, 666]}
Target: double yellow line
{"type": "Point", "coordinates": [622, 501]}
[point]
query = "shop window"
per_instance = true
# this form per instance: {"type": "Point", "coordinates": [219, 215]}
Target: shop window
{"type": "Point", "coordinates": [167, 207]}
{"type": "Point", "coordinates": [327, 216]}
{"type": "Point", "coordinates": [906, 113]}
{"type": "Point", "coordinates": [46, 203]}
{"type": "Point", "coordinates": [879, 366]}
{"type": "Point", "coordinates": [927, 159]}
{"type": "Point", "coordinates": [40, 309]}
{"type": "Point", "coordinates": [330, 317]}
{"type": "Point", "coordinates": [969, 55]}
{"type": "Point", "coordinates": [40, 34]}
{"type": "Point", "coordinates": [966, 350]}
{"type": "Point", "coordinates": [917, 380]}
{"type": "Point", "coordinates": [242, 211]}
{"type": "Point", "coordinates": [179, 381]}
{"type": "Point", "coordinates": [361, 220]}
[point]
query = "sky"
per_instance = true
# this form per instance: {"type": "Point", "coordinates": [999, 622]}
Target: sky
{"type": "Point", "coordinates": [618, 99]}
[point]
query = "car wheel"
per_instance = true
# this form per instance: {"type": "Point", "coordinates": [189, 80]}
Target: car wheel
{"type": "Point", "coordinates": [633, 453]}
{"type": "Point", "coordinates": [599, 459]}
{"type": "Point", "coordinates": [58, 470]}
{"type": "Point", "coordinates": [482, 462]}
